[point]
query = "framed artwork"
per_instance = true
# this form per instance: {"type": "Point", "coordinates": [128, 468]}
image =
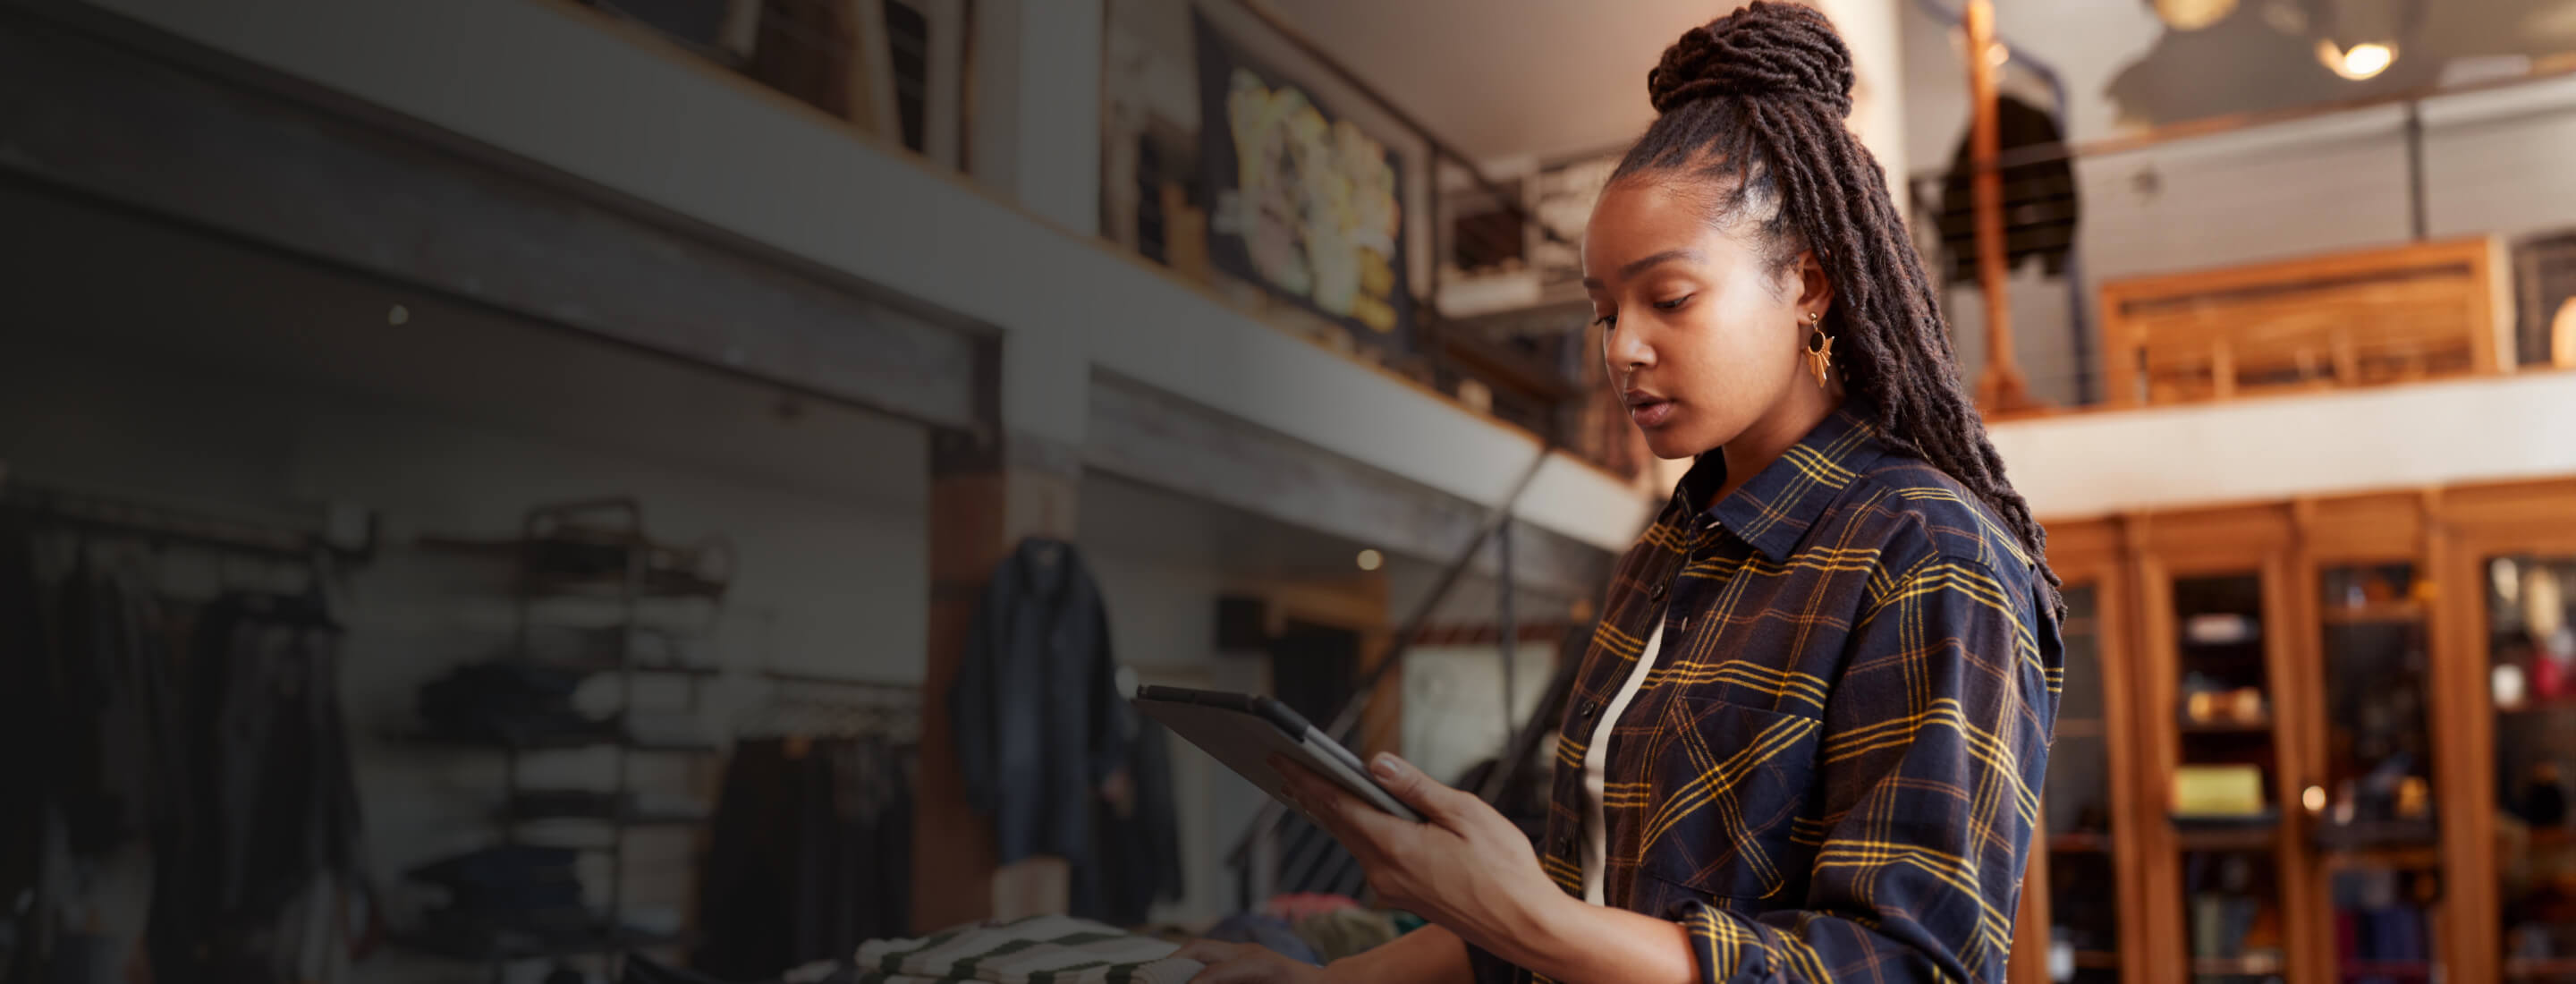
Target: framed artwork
{"type": "Point", "coordinates": [1303, 202]}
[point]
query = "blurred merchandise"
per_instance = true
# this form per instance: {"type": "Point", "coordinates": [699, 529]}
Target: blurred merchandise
{"type": "Point", "coordinates": [2210, 701]}
{"type": "Point", "coordinates": [1344, 932]}
{"type": "Point", "coordinates": [2218, 791]}
{"type": "Point", "coordinates": [1269, 931]}
{"type": "Point", "coordinates": [809, 852]}
{"type": "Point", "coordinates": [184, 805]}
{"type": "Point", "coordinates": [2510, 686]}
{"type": "Point", "coordinates": [2220, 628]}
{"type": "Point", "coordinates": [2543, 802]}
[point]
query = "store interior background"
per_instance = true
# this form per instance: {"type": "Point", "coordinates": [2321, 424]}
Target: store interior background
{"type": "Point", "coordinates": [755, 265]}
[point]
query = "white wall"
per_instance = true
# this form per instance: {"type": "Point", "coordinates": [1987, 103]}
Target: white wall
{"type": "Point", "coordinates": [1162, 618]}
{"type": "Point", "coordinates": [1882, 98]}
{"type": "Point", "coordinates": [1453, 703]}
{"type": "Point", "coordinates": [2358, 440]}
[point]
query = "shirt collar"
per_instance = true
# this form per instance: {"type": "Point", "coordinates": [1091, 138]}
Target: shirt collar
{"type": "Point", "coordinates": [1774, 510]}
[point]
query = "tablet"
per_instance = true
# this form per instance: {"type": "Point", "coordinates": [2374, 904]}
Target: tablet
{"type": "Point", "coordinates": [1244, 730]}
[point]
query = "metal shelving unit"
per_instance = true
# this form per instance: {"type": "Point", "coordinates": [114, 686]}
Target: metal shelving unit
{"type": "Point", "coordinates": [597, 551]}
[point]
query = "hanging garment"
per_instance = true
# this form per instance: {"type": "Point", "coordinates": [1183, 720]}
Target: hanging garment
{"type": "Point", "coordinates": [25, 722]}
{"type": "Point", "coordinates": [809, 853]}
{"type": "Point", "coordinates": [276, 804]}
{"type": "Point", "coordinates": [1138, 858]}
{"type": "Point", "coordinates": [506, 699]}
{"type": "Point", "coordinates": [1039, 723]}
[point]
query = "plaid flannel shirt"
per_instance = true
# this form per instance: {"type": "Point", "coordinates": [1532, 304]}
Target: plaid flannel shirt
{"type": "Point", "coordinates": [1832, 773]}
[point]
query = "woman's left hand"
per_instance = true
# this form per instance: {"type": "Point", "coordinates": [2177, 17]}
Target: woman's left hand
{"type": "Point", "coordinates": [1466, 867]}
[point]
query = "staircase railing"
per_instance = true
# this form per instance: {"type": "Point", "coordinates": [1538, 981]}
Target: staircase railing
{"type": "Point", "coordinates": [1281, 851]}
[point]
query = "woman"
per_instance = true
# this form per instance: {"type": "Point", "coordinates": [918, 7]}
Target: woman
{"type": "Point", "coordinates": [1806, 743]}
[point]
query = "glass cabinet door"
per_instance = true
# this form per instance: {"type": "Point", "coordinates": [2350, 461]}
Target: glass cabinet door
{"type": "Point", "coordinates": [2371, 811]}
{"type": "Point", "coordinates": [2083, 889]}
{"type": "Point", "coordinates": [2532, 676]}
{"type": "Point", "coordinates": [2226, 822]}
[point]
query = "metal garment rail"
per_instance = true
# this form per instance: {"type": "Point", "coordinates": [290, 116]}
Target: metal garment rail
{"type": "Point", "coordinates": [274, 538]}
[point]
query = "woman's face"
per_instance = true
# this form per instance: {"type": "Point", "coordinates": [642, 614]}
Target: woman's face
{"type": "Point", "coordinates": [1702, 338]}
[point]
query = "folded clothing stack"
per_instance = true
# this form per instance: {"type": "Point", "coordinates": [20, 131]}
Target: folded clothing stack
{"type": "Point", "coordinates": [512, 894]}
{"type": "Point", "coordinates": [1035, 950]}
{"type": "Point", "coordinates": [510, 700]}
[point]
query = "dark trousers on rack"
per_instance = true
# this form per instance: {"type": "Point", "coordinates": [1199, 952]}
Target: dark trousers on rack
{"type": "Point", "coordinates": [809, 854]}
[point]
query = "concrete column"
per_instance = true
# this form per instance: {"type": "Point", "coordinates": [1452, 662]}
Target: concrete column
{"type": "Point", "coordinates": [1872, 29]}
{"type": "Point", "coordinates": [1036, 106]}
{"type": "Point", "coordinates": [1018, 475]}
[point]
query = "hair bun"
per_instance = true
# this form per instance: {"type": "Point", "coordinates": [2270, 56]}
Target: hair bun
{"type": "Point", "coordinates": [1764, 50]}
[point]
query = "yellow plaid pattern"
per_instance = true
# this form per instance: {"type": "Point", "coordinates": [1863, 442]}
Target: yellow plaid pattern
{"type": "Point", "coordinates": [1832, 771]}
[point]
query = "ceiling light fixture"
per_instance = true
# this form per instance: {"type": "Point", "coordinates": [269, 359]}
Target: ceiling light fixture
{"type": "Point", "coordinates": [2192, 15]}
{"type": "Point", "coordinates": [1371, 560]}
{"type": "Point", "coordinates": [2359, 62]}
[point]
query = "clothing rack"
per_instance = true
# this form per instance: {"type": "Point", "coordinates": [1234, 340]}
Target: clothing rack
{"type": "Point", "coordinates": [268, 537]}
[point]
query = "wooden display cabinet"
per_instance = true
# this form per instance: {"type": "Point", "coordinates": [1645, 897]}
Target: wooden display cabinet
{"type": "Point", "coordinates": [2082, 882]}
{"type": "Point", "coordinates": [2415, 657]}
{"type": "Point", "coordinates": [2369, 816]}
{"type": "Point", "coordinates": [2509, 727]}
{"type": "Point", "coordinates": [2215, 683]}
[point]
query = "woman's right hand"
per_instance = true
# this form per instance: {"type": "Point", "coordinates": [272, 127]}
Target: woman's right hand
{"type": "Point", "coordinates": [1246, 963]}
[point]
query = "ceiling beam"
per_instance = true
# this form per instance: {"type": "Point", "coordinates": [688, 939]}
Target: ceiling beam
{"type": "Point", "coordinates": [94, 105]}
{"type": "Point", "coordinates": [1161, 440]}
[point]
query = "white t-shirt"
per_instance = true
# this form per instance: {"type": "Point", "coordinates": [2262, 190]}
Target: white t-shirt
{"type": "Point", "coordinates": [1596, 758]}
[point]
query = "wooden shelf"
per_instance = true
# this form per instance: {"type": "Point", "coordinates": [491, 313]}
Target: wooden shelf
{"type": "Point", "coordinates": [2080, 843]}
{"type": "Point", "coordinates": [2236, 966]}
{"type": "Point", "coordinates": [2384, 613]}
{"type": "Point", "coordinates": [2263, 726]}
{"type": "Point", "coordinates": [2556, 840]}
{"type": "Point", "coordinates": [2552, 705]}
{"type": "Point", "coordinates": [2222, 839]}
{"type": "Point", "coordinates": [2410, 857]}
{"type": "Point", "coordinates": [2410, 969]}
{"type": "Point", "coordinates": [2539, 967]}
{"type": "Point", "coordinates": [2097, 960]}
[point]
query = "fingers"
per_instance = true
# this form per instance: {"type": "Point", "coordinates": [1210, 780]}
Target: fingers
{"type": "Point", "coordinates": [1314, 796]}
{"type": "Point", "coordinates": [1436, 802]}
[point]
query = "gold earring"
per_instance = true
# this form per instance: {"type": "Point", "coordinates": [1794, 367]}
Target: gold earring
{"type": "Point", "coordinates": [1820, 349]}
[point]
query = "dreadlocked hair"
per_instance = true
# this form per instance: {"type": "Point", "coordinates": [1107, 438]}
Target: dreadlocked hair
{"type": "Point", "coordinates": [1752, 107]}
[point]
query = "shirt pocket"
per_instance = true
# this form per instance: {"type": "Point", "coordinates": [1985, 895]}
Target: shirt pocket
{"type": "Point", "coordinates": [1727, 784]}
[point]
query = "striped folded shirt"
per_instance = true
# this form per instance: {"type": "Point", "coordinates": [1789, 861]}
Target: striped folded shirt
{"type": "Point", "coordinates": [1034, 950]}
